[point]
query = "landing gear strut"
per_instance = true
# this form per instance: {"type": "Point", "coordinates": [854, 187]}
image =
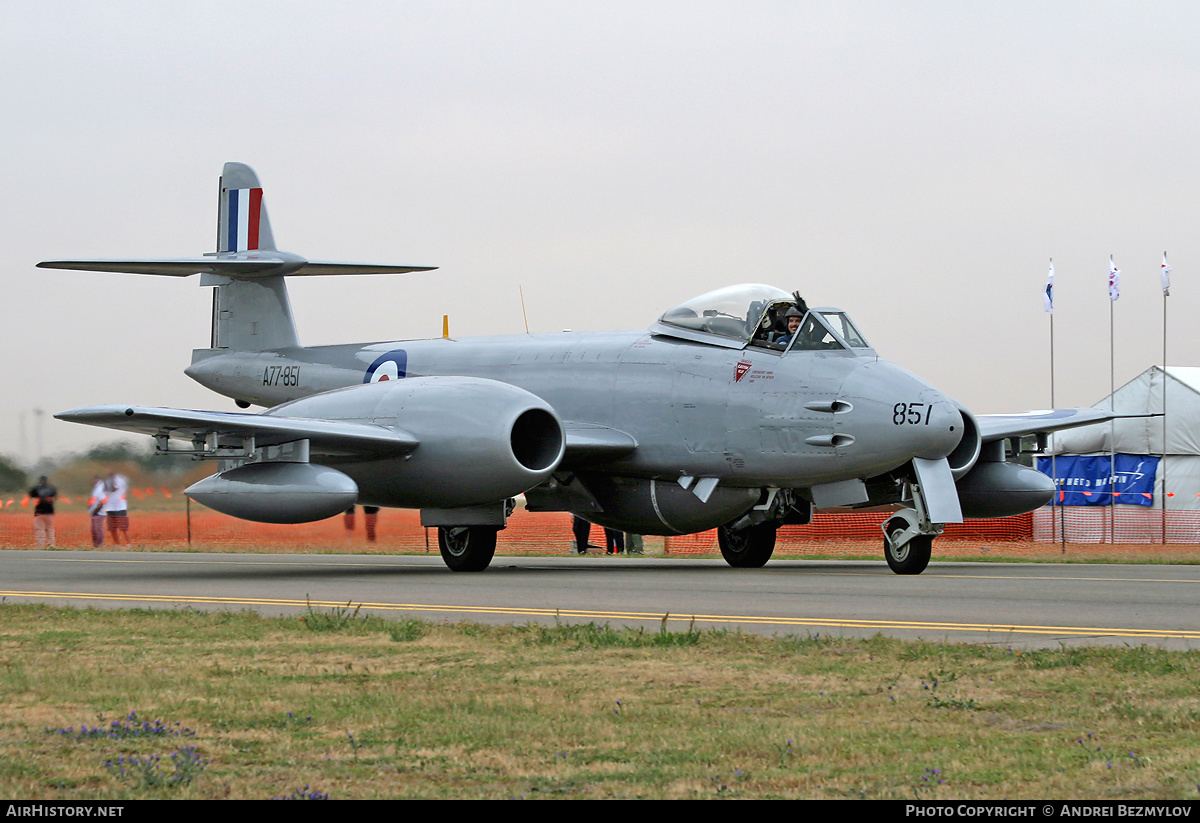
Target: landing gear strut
{"type": "Point", "coordinates": [467, 548]}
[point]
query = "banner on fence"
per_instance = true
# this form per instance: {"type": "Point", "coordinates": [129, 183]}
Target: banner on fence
{"type": "Point", "coordinates": [1097, 481]}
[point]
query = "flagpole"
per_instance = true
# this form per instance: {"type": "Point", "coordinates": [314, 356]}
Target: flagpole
{"type": "Point", "coordinates": [1112, 429]}
{"type": "Point", "coordinates": [1048, 302]}
{"type": "Point", "coordinates": [1162, 468]}
{"type": "Point", "coordinates": [1114, 275]}
{"type": "Point", "coordinates": [1062, 522]}
{"type": "Point", "coordinates": [1166, 287]}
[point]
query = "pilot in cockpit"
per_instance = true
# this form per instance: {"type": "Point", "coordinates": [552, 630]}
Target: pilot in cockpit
{"type": "Point", "coordinates": [782, 321]}
{"type": "Point", "coordinates": [792, 317]}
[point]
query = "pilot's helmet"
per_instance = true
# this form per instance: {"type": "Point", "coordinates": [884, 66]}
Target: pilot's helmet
{"type": "Point", "coordinates": [792, 312]}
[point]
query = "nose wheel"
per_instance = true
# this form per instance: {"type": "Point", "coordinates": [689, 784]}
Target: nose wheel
{"type": "Point", "coordinates": [906, 550]}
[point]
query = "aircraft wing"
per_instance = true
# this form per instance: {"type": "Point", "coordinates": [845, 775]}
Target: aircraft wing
{"type": "Point", "coordinates": [588, 443]}
{"type": "Point", "coordinates": [1001, 426]}
{"type": "Point", "coordinates": [325, 436]}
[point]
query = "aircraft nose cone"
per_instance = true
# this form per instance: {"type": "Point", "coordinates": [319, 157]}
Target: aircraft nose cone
{"type": "Point", "coordinates": [942, 427]}
{"type": "Point", "coordinates": [900, 414]}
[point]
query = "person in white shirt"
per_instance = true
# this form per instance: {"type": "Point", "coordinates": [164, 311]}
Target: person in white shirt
{"type": "Point", "coordinates": [116, 509]}
{"type": "Point", "coordinates": [96, 510]}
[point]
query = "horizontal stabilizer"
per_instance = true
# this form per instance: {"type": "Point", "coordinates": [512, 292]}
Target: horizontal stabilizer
{"type": "Point", "coordinates": [315, 267]}
{"type": "Point", "coordinates": [246, 265]}
{"type": "Point", "coordinates": [327, 437]}
{"type": "Point", "coordinates": [999, 426]}
{"type": "Point", "coordinates": [593, 443]}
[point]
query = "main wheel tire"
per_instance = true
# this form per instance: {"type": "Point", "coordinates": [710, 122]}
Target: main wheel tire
{"type": "Point", "coordinates": [467, 548]}
{"type": "Point", "coordinates": [907, 558]}
{"type": "Point", "coordinates": [748, 548]}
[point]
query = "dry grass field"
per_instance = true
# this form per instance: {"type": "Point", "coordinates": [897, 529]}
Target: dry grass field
{"type": "Point", "coordinates": [120, 705]}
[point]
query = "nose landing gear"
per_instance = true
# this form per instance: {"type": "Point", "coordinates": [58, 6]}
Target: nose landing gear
{"type": "Point", "coordinates": [907, 543]}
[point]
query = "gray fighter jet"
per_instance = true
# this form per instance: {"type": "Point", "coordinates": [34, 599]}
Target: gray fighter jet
{"type": "Point", "coordinates": [740, 410]}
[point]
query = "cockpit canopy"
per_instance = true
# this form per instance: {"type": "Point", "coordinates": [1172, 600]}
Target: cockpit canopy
{"type": "Point", "coordinates": [754, 315]}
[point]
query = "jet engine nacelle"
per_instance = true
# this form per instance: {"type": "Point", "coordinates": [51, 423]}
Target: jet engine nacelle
{"type": "Point", "coordinates": [966, 453]}
{"type": "Point", "coordinates": [277, 492]}
{"type": "Point", "coordinates": [480, 440]}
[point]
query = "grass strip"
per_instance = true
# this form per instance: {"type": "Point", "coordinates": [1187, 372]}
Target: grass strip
{"type": "Point", "coordinates": [341, 704]}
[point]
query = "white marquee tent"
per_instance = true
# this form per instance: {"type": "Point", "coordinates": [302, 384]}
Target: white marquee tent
{"type": "Point", "coordinates": [1179, 429]}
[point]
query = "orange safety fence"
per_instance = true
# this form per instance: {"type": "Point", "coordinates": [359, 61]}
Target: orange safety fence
{"type": "Point", "coordinates": [397, 530]}
{"type": "Point", "coordinates": [548, 533]}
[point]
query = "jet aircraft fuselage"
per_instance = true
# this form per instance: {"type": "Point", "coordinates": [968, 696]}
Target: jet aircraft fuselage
{"type": "Point", "coordinates": [748, 417]}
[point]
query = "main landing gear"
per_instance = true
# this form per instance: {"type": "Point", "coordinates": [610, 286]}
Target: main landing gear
{"type": "Point", "coordinates": [748, 548]}
{"type": "Point", "coordinates": [467, 548]}
{"type": "Point", "coordinates": [749, 541]}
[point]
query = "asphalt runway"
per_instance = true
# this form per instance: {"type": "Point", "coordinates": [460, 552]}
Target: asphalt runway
{"type": "Point", "coordinates": [1018, 605]}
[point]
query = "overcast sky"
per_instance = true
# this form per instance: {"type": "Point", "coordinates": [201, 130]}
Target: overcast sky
{"type": "Point", "coordinates": [916, 164]}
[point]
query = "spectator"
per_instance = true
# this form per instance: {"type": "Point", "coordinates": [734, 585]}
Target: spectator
{"type": "Point", "coordinates": [43, 496]}
{"type": "Point", "coordinates": [96, 510]}
{"type": "Point", "coordinates": [116, 508]}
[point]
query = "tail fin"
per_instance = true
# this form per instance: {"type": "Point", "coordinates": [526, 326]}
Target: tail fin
{"type": "Point", "coordinates": [242, 223]}
{"type": "Point", "coordinates": [248, 315]}
{"type": "Point", "coordinates": [251, 311]}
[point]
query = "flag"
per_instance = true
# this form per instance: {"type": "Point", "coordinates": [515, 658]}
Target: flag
{"type": "Point", "coordinates": [1166, 276]}
{"type": "Point", "coordinates": [1048, 297]}
{"type": "Point", "coordinates": [1114, 280]}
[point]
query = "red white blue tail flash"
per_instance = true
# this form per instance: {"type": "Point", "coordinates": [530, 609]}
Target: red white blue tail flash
{"type": "Point", "coordinates": [244, 217]}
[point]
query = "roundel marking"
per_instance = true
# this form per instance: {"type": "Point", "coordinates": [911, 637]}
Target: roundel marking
{"type": "Point", "coordinates": [390, 366]}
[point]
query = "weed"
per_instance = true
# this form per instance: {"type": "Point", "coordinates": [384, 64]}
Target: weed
{"type": "Point", "coordinates": [808, 643]}
{"type": "Point", "coordinates": [127, 727]}
{"type": "Point", "coordinates": [593, 636]}
{"type": "Point", "coordinates": [334, 620]}
{"type": "Point", "coordinates": [1062, 657]}
{"type": "Point", "coordinates": [406, 631]}
{"type": "Point", "coordinates": [785, 753]}
{"type": "Point", "coordinates": [936, 701]}
{"type": "Point", "coordinates": [1148, 660]}
{"type": "Point", "coordinates": [304, 794]}
{"type": "Point", "coordinates": [930, 779]}
{"type": "Point", "coordinates": [148, 773]}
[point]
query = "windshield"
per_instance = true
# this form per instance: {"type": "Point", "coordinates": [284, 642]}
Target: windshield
{"type": "Point", "coordinates": [842, 325]}
{"type": "Point", "coordinates": [813, 335]}
{"type": "Point", "coordinates": [734, 311]}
